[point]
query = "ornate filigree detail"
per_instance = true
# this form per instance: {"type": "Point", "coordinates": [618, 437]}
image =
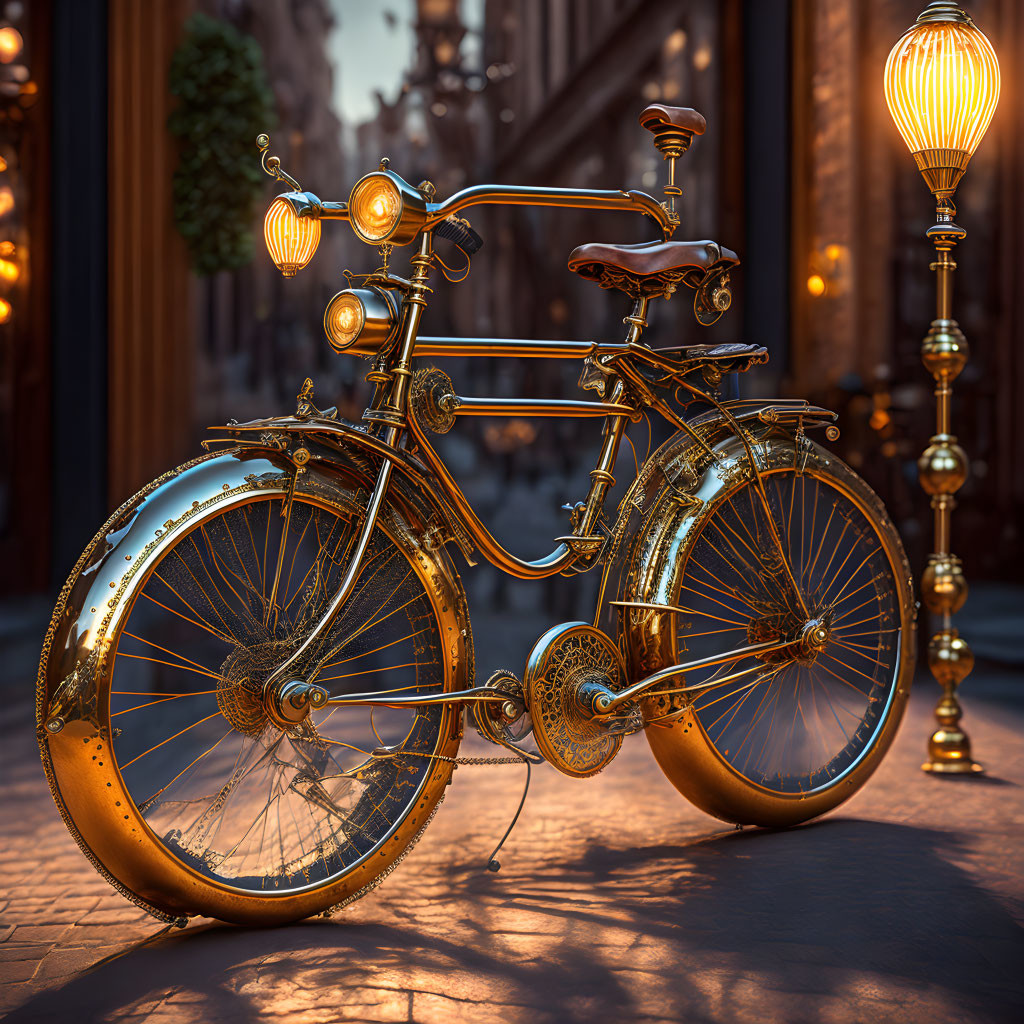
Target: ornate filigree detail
{"type": "Point", "coordinates": [566, 732]}
{"type": "Point", "coordinates": [433, 399]}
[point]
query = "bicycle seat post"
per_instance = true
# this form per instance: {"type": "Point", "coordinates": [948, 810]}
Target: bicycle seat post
{"type": "Point", "coordinates": [672, 152]}
{"type": "Point", "coordinates": [637, 319]}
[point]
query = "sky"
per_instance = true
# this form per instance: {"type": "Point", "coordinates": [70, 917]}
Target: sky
{"type": "Point", "coordinates": [371, 45]}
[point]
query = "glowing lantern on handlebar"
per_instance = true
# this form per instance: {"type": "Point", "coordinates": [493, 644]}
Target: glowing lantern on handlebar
{"type": "Point", "coordinates": [292, 235]}
{"type": "Point", "coordinates": [384, 208]}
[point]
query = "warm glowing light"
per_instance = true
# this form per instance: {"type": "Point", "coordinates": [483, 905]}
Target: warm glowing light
{"type": "Point", "coordinates": [5, 311]}
{"type": "Point", "coordinates": [6, 201]}
{"type": "Point", "coordinates": [343, 320]}
{"type": "Point", "coordinates": [675, 43]}
{"type": "Point", "coordinates": [7, 248]}
{"type": "Point", "coordinates": [291, 239]}
{"type": "Point", "coordinates": [375, 208]}
{"type": "Point", "coordinates": [942, 87]}
{"type": "Point", "coordinates": [833, 251]}
{"type": "Point", "coordinates": [10, 44]}
{"type": "Point", "coordinates": [880, 419]}
{"type": "Point", "coordinates": [816, 285]}
{"type": "Point", "coordinates": [9, 271]}
{"type": "Point", "coordinates": [3, 165]}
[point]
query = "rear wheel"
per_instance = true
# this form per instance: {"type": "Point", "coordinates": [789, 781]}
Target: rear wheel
{"type": "Point", "coordinates": [780, 736]}
{"type": "Point", "coordinates": [207, 801]}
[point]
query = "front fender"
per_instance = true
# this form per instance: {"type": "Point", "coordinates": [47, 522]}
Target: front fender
{"type": "Point", "coordinates": [102, 584]}
{"type": "Point", "coordinates": [341, 444]}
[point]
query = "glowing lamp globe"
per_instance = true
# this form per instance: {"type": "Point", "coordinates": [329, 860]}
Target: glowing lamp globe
{"type": "Point", "coordinates": [942, 87]}
{"type": "Point", "coordinates": [291, 238]}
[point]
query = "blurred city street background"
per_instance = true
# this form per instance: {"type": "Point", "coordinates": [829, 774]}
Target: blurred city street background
{"type": "Point", "coordinates": [121, 341]}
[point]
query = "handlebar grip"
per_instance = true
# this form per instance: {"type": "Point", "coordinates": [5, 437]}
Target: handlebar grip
{"type": "Point", "coordinates": [457, 230]}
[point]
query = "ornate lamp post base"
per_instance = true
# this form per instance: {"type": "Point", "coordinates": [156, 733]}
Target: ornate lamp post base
{"type": "Point", "coordinates": [949, 750]}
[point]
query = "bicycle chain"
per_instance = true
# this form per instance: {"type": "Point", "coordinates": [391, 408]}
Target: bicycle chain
{"type": "Point", "coordinates": [464, 760]}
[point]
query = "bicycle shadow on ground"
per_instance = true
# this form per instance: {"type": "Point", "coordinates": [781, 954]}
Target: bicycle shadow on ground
{"type": "Point", "coordinates": [780, 920]}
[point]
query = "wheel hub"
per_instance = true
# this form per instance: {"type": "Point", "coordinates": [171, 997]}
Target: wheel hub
{"type": "Point", "coordinates": [810, 637]}
{"type": "Point", "coordinates": [289, 702]}
{"type": "Point", "coordinates": [249, 705]}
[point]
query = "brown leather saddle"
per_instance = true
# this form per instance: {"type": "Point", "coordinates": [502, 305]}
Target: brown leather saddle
{"type": "Point", "coordinates": [651, 268]}
{"type": "Point", "coordinates": [661, 119]}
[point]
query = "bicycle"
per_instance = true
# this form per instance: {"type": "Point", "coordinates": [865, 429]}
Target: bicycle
{"type": "Point", "coordinates": [251, 694]}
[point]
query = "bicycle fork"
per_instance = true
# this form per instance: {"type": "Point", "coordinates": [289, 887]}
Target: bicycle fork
{"type": "Point", "coordinates": [391, 414]}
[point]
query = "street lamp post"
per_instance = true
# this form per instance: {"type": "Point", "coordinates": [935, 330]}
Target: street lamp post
{"type": "Point", "coordinates": [942, 87]}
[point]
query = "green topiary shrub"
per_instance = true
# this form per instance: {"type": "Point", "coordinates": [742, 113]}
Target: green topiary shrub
{"type": "Point", "coordinates": [224, 102]}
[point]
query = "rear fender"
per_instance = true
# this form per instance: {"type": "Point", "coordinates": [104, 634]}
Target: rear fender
{"type": "Point", "coordinates": [675, 473]}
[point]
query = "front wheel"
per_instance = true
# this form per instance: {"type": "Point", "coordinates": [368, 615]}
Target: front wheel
{"type": "Point", "coordinates": [164, 751]}
{"type": "Point", "coordinates": [811, 562]}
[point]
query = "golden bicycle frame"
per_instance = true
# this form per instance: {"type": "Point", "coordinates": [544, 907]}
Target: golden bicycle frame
{"type": "Point", "coordinates": [391, 409]}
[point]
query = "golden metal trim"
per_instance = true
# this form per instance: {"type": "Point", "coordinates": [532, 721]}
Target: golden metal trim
{"type": "Point", "coordinates": [563, 407]}
{"type": "Point", "coordinates": [514, 348]}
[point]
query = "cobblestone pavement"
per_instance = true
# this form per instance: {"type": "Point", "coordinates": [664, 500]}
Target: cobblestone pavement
{"type": "Point", "coordinates": [616, 901]}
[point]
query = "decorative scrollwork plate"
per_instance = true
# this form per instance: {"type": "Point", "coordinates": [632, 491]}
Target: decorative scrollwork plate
{"type": "Point", "coordinates": [561, 662]}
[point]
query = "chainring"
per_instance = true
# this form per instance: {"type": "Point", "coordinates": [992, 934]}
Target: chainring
{"type": "Point", "coordinates": [561, 662]}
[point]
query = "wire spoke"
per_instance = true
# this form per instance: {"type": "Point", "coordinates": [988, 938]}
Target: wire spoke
{"type": "Point", "coordinates": [234, 639]}
{"type": "Point", "coordinates": [726, 590]}
{"type": "Point", "coordinates": [170, 664]}
{"type": "Point", "coordinates": [195, 622]}
{"type": "Point", "coordinates": [708, 597]}
{"type": "Point", "coordinates": [376, 650]}
{"type": "Point", "coordinates": [368, 671]}
{"type": "Point", "coordinates": [162, 700]}
{"type": "Point", "coordinates": [195, 761]}
{"type": "Point", "coordinates": [167, 650]}
{"type": "Point", "coordinates": [157, 746]}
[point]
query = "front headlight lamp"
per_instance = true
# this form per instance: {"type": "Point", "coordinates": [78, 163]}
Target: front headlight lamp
{"type": "Point", "coordinates": [362, 321]}
{"type": "Point", "coordinates": [384, 208]}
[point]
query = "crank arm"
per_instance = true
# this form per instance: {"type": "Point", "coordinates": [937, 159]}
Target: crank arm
{"type": "Point", "coordinates": [606, 700]}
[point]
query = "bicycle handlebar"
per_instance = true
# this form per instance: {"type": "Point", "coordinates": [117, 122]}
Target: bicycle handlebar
{"type": "Point", "coordinates": [539, 195]}
{"type": "Point", "coordinates": [438, 214]}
